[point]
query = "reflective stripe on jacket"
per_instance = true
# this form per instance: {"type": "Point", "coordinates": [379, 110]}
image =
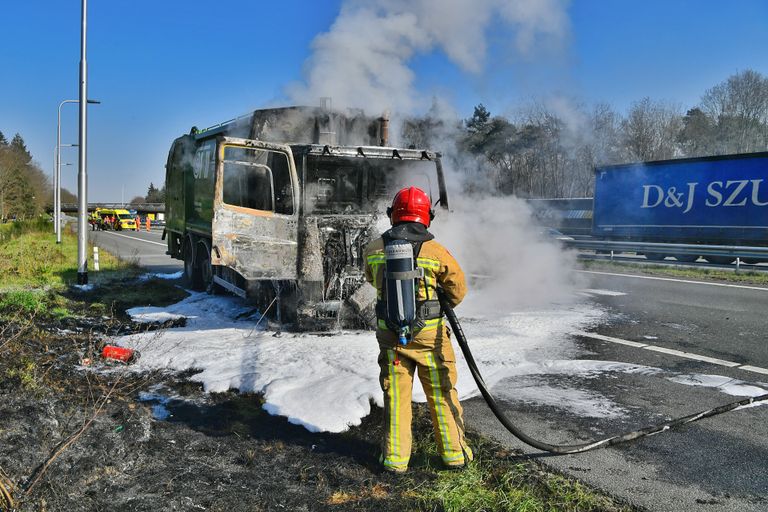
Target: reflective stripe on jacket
{"type": "Point", "coordinates": [440, 268]}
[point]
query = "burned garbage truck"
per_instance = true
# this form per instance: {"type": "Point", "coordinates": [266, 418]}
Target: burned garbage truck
{"type": "Point", "coordinates": [278, 206]}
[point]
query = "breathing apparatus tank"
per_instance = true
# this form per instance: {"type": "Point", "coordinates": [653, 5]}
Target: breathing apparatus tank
{"type": "Point", "coordinates": [400, 274]}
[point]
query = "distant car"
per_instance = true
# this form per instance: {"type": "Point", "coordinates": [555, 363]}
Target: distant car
{"type": "Point", "coordinates": [553, 234]}
{"type": "Point", "coordinates": [158, 222]}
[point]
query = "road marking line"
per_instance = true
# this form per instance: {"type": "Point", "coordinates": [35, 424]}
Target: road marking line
{"type": "Point", "coordinates": [134, 238]}
{"type": "Point", "coordinates": [672, 352]}
{"type": "Point", "coordinates": [755, 369]}
{"type": "Point", "coordinates": [688, 355]}
{"type": "Point", "coordinates": [611, 339]}
{"type": "Point", "coordinates": [763, 289]}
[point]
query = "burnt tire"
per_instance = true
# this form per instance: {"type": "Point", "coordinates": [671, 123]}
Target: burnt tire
{"type": "Point", "coordinates": [191, 272]}
{"type": "Point", "coordinates": [752, 261]}
{"type": "Point", "coordinates": [203, 264]}
{"type": "Point", "coordinates": [720, 260]}
{"type": "Point", "coordinates": [655, 256]}
{"type": "Point", "coordinates": [686, 258]}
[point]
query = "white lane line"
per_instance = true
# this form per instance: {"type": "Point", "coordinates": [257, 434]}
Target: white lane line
{"type": "Point", "coordinates": [673, 352]}
{"type": "Point", "coordinates": [686, 281]}
{"type": "Point", "coordinates": [755, 369]}
{"type": "Point", "coordinates": [696, 357]}
{"type": "Point", "coordinates": [137, 239]}
{"type": "Point", "coordinates": [609, 338]}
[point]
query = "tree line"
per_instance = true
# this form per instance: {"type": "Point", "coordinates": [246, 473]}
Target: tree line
{"type": "Point", "coordinates": [154, 195]}
{"type": "Point", "coordinates": [551, 150]}
{"type": "Point", "coordinates": [25, 190]}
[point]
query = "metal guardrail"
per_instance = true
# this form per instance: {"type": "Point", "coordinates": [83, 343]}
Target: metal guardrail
{"type": "Point", "coordinates": [732, 251]}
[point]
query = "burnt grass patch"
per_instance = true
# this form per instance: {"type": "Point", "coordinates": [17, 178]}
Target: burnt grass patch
{"type": "Point", "coordinates": [75, 439]}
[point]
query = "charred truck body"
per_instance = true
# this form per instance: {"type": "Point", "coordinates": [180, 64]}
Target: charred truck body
{"type": "Point", "coordinates": [279, 205]}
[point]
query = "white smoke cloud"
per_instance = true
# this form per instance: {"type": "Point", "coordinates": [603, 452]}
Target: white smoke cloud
{"type": "Point", "coordinates": [509, 260]}
{"type": "Point", "coordinates": [363, 60]}
{"type": "Point", "coordinates": [534, 17]}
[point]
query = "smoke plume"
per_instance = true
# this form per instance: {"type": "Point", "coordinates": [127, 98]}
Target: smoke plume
{"type": "Point", "coordinates": [364, 59]}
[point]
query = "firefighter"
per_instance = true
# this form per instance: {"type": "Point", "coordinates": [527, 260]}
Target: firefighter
{"type": "Point", "coordinates": [422, 347]}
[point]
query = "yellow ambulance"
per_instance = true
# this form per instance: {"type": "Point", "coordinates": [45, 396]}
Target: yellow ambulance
{"type": "Point", "coordinates": [117, 219]}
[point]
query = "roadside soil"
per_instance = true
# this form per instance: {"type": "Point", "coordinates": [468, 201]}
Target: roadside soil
{"type": "Point", "coordinates": [78, 433]}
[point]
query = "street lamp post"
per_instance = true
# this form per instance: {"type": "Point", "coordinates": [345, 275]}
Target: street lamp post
{"type": "Point", "coordinates": [57, 177]}
{"type": "Point", "coordinates": [55, 188]}
{"type": "Point", "coordinates": [82, 174]}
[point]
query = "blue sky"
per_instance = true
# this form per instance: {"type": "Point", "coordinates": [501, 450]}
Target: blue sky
{"type": "Point", "coordinates": [161, 67]}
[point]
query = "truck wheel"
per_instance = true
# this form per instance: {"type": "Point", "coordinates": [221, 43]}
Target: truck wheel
{"type": "Point", "coordinates": [720, 260]}
{"type": "Point", "coordinates": [203, 260]}
{"type": "Point", "coordinates": [686, 258]}
{"type": "Point", "coordinates": [655, 256]}
{"type": "Point", "coordinates": [191, 272]}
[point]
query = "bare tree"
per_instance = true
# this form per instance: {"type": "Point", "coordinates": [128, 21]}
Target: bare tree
{"type": "Point", "coordinates": [598, 143]}
{"type": "Point", "coordinates": [738, 109]}
{"type": "Point", "coordinates": [650, 130]}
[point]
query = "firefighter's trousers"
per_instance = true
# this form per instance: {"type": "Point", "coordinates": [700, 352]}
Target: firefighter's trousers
{"type": "Point", "coordinates": [436, 367]}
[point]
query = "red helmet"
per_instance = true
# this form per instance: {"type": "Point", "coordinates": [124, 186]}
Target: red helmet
{"type": "Point", "coordinates": [411, 205]}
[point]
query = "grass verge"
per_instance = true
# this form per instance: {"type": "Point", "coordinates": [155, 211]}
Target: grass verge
{"type": "Point", "coordinates": [498, 480]}
{"type": "Point", "coordinates": [34, 259]}
{"type": "Point", "coordinates": [36, 272]}
{"type": "Point", "coordinates": [702, 274]}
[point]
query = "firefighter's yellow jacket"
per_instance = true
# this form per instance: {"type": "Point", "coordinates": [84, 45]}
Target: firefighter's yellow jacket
{"type": "Point", "coordinates": [440, 268]}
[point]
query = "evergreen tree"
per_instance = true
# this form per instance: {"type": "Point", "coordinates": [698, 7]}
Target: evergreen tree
{"type": "Point", "coordinates": [20, 148]}
{"type": "Point", "coordinates": [479, 119]}
{"type": "Point", "coordinates": [698, 134]}
{"type": "Point", "coordinates": [154, 194]}
{"type": "Point", "coordinates": [3, 140]}
{"type": "Point", "coordinates": [18, 196]}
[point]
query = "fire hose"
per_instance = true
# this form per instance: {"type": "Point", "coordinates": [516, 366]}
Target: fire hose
{"type": "Point", "coordinates": [573, 448]}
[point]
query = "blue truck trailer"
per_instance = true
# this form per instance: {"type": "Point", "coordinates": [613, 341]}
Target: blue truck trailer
{"type": "Point", "coordinates": [719, 200]}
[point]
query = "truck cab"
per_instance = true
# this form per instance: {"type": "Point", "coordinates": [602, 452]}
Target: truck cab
{"type": "Point", "coordinates": [286, 223]}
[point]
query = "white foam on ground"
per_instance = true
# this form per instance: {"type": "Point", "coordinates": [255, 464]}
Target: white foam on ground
{"type": "Point", "coordinates": [585, 403]}
{"type": "Point", "coordinates": [326, 383]}
{"type": "Point", "coordinates": [151, 314]}
{"type": "Point", "coordinates": [606, 293]}
{"type": "Point", "coordinates": [727, 385]}
{"type": "Point", "coordinates": [161, 275]}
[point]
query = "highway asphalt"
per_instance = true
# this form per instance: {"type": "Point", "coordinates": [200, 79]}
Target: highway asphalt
{"type": "Point", "coordinates": [717, 464]}
{"type": "Point", "coordinates": [145, 248]}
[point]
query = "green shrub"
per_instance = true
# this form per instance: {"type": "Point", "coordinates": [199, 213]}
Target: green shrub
{"type": "Point", "coordinates": [60, 313]}
{"type": "Point", "coordinates": [11, 230]}
{"type": "Point", "coordinates": [26, 372]}
{"type": "Point", "coordinates": [26, 301]}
